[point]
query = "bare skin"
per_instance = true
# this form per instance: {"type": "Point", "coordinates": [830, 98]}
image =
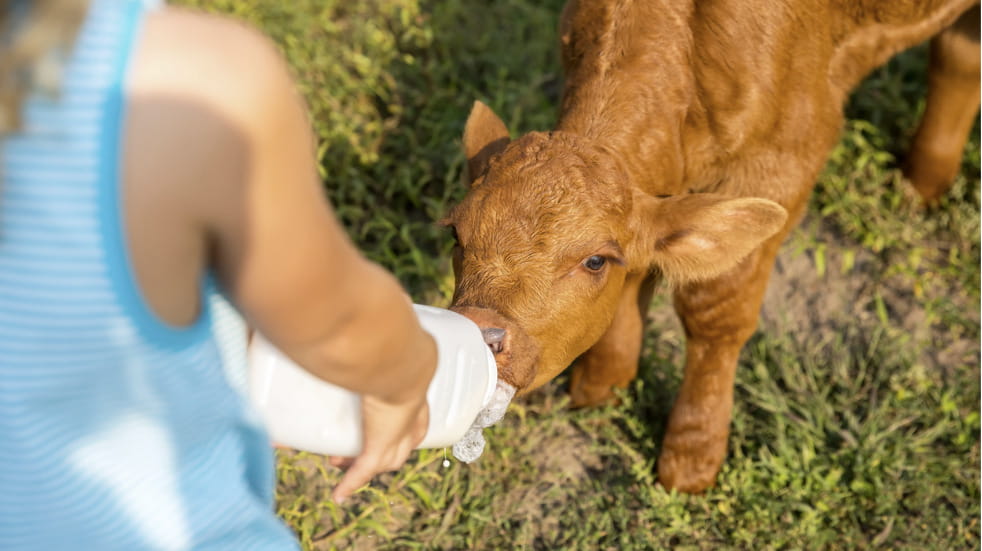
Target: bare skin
{"type": "Point", "coordinates": [219, 172]}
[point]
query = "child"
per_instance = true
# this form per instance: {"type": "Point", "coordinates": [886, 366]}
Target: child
{"type": "Point", "coordinates": [173, 164]}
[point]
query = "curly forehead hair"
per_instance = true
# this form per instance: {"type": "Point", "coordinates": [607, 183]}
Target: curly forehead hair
{"type": "Point", "coordinates": [561, 161]}
{"type": "Point", "coordinates": [36, 41]}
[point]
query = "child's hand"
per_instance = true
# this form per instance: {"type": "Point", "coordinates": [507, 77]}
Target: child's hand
{"type": "Point", "coordinates": [391, 433]}
{"type": "Point", "coordinates": [392, 429]}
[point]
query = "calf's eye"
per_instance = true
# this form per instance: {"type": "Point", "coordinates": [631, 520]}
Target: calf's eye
{"type": "Point", "coordinates": [595, 262]}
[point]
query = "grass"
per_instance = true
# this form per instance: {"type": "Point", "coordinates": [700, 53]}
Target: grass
{"type": "Point", "coordinates": [856, 421]}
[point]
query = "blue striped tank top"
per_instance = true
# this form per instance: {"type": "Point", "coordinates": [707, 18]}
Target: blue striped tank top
{"type": "Point", "coordinates": [117, 431]}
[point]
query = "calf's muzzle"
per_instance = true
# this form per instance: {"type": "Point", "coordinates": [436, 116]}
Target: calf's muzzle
{"type": "Point", "coordinates": [515, 352]}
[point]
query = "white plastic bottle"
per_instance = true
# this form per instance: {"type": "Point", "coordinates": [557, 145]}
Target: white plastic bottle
{"type": "Point", "coordinates": [306, 413]}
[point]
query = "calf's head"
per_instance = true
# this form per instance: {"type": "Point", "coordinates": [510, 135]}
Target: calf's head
{"type": "Point", "coordinates": [552, 226]}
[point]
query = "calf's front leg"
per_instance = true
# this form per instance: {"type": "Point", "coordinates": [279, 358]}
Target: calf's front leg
{"type": "Point", "coordinates": [613, 361]}
{"type": "Point", "coordinates": [719, 316]}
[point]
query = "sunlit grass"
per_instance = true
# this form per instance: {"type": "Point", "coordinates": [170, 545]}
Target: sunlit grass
{"type": "Point", "coordinates": [853, 434]}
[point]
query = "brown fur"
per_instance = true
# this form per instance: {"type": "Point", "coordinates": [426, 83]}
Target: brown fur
{"type": "Point", "coordinates": [689, 139]}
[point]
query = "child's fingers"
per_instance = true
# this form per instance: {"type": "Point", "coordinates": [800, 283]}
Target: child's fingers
{"type": "Point", "coordinates": [362, 469]}
{"type": "Point", "coordinates": [361, 472]}
{"type": "Point", "coordinates": [341, 462]}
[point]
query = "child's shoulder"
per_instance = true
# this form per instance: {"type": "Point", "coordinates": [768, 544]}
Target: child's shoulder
{"type": "Point", "coordinates": [214, 61]}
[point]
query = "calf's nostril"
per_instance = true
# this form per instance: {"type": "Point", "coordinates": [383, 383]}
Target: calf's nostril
{"type": "Point", "coordinates": [494, 337]}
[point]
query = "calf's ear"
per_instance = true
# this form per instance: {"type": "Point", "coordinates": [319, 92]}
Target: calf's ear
{"type": "Point", "coordinates": [699, 236]}
{"type": "Point", "coordinates": [484, 136]}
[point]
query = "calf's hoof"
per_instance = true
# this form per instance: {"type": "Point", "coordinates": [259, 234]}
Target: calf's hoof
{"type": "Point", "coordinates": [690, 468]}
{"type": "Point", "coordinates": [930, 178]}
{"type": "Point", "coordinates": [588, 394]}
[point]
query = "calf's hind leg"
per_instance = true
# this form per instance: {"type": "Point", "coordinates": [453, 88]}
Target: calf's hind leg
{"type": "Point", "coordinates": [952, 104]}
{"type": "Point", "coordinates": [719, 316]}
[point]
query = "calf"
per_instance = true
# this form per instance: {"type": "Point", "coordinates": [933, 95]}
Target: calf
{"type": "Point", "coordinates": [689, 139]}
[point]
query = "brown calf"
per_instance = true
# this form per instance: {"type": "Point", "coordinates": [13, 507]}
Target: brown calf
{"type": "Point", "coordinates": [690, 136]}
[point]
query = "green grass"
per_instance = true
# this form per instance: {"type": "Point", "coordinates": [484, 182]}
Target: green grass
{"type": "Point", "coordinates": [856, 422]}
